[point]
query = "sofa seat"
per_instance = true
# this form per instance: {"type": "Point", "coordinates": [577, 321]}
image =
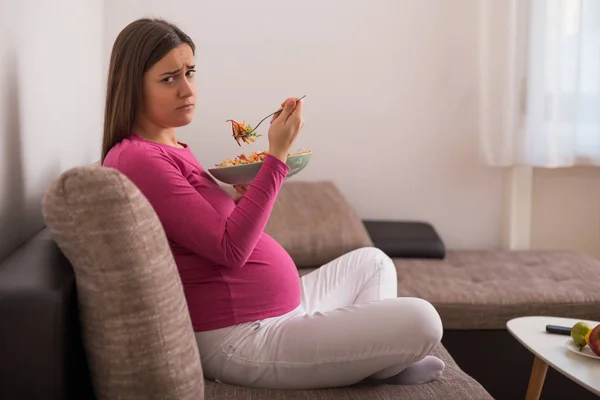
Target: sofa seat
{"type": "Point", "coordinates": [454, 384]}
{"type": "Point", "coordinates": [484, 289]}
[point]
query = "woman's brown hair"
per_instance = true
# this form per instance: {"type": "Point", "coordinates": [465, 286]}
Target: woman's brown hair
{"type": "Point", "coordinates": [139, 46]}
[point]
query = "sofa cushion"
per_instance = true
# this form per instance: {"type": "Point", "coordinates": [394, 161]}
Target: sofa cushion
{"type": "Point", "coordinates": [315, 224]}
{"type": "Point", "coordinates": [136, 327]}
{"type": "Point", "coordinates": [484, 289]}
{"type": "Point", "coordinates": [406, 239]}
{"type": "Point", "coordinates": [454, 384]}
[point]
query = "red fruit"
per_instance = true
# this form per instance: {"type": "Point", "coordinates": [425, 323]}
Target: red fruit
{"type": "Point", "coordinates": [595, 340]}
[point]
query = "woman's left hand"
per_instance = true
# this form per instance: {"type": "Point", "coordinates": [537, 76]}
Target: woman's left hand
{"type": "Point", "coordinates": [240, 192]}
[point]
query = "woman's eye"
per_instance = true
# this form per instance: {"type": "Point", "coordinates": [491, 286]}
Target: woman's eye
{"type": "Point", "coordinates": [169, 79]}
{"type": "Point", "coordinates": [190, 73]}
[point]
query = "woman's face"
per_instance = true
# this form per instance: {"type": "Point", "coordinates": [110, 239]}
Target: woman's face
{"type": "Point", "coordinates": [169, 95]}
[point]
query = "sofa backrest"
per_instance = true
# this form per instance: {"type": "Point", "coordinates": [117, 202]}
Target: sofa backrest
{"type": "Point", "coordinates": [315, 223]}
{"type": "Point", "coordinates": [136, 327]}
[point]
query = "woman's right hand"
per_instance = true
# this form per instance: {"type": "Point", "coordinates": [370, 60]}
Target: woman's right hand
{"type": "Point", "coordinates": [284, 128]}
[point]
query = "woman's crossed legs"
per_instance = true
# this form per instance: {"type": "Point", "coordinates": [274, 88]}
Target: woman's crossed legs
{"type": "Point", "coordinates": [349, 327]}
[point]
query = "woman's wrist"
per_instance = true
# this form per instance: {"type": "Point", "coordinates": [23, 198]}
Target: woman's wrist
{"type": "Point", "coordinates": [281, 155]}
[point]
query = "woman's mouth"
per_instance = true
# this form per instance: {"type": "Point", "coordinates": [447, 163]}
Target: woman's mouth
{"type": "Point", "coordinates": [186, 107]}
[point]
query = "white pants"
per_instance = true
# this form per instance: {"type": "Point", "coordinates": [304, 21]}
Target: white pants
{"type": "Point", "coordinates": [350, 326]}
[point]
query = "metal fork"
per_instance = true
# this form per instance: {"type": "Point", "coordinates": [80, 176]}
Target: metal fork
{"type": "Point", "coordinates": [270, 115]}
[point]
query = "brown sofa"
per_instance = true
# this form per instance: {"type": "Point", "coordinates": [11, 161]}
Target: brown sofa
{"type": "Point", "coordinates": [101, 315]}
{"type": "Point", "coordinates": [41, 347]}
{"type": "Point", "coordinates": [42, 355]}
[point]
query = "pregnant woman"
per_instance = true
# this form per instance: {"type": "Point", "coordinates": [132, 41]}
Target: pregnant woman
{"type": "Point", "coordinates": [256, 322]}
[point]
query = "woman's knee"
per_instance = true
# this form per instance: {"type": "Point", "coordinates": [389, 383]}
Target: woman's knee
{"type": "Point", "coordinates": [412, 325]}
{"type": "Point", "coordinates": [421, 319]}
{"type": "Point", "coordinates": [378, 258]}
{"type": "Point", "coordinates": [427, 321]}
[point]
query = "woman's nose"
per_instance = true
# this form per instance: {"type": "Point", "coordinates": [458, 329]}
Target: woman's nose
{"type": "Point", "coordinates": [186, 89]}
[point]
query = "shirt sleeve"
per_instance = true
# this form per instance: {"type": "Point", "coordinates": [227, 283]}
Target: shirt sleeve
{"type": "Point", "coordinates": [190, 220]}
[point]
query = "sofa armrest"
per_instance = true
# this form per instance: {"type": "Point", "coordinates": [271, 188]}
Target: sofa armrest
{"type": "Point", "coordinates": [406, 239]}
{"type": "Point", "coordinates": [41, 354]}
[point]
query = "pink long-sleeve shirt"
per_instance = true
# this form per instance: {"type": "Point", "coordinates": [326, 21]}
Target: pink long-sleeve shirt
{"type": "Point", "coordinates": [231, 270]}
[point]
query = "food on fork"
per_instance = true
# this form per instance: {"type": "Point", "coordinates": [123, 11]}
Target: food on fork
{"type": "Point", "coordinates": [246, 133]}
{"type": "Point", "coordinates": [242, 132]}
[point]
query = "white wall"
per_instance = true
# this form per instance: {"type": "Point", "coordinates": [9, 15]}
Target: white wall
{"type": "Point", "coordinates": [359, 79]}
{"type": "Point", "coordinates": [51, 103]}
{"type": "Point", "coordinates": [391, 107]}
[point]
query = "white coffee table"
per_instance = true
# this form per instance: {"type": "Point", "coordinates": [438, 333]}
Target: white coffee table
{"type": "Point", "coordinates": [550, 349]}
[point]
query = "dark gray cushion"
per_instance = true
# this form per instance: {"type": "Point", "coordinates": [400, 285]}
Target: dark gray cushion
{"type": "Point", "coordinates": [406, 239]}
